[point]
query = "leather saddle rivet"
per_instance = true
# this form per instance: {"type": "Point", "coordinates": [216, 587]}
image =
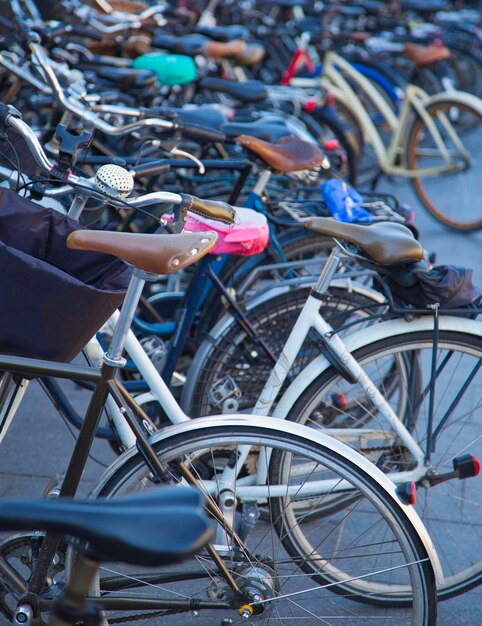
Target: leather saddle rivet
{"type": "Point", "coordinates": [175, 262]}
{"type": "Point", "coordinates": [205, 240]}
{"type": "Point", "coordinates": [194, 251]}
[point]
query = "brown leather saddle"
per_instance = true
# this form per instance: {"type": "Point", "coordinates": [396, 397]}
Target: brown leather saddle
{"type": "Point", "coordinates": [157, 254]}
{"type": "Point", "coordinates": [290, 154]}
{"type": "Point", "coordinates": [386, 243]}
{"type": "Point", "coordinates": [220, 49]}
{"type": "Point", "coordinates": [425, 55]}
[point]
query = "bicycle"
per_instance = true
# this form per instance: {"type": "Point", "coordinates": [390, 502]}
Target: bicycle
{"type": "Point", "coordinates": [433, 139]}
{"type": "Point", "coordinates": [402, 391]}
{"type": "Point", "coordinates": [251, 572]}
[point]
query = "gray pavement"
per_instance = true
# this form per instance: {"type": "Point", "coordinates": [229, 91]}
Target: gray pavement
{"type": "Point", "coordinates": [38, 443]}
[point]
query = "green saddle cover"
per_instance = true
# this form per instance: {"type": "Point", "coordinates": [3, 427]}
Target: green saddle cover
{"type": "Point", "coordinates": [170, 69]}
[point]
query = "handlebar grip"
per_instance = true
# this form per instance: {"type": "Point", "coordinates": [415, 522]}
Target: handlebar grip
{"type": "Point", "coordinates": [212, 209]}
{"type": "Point", "coordinates": [153, 168]}
{"type": "Point", "coordinates": [162, 112]}
{"type": "Point", "coordinates": [201, 134]}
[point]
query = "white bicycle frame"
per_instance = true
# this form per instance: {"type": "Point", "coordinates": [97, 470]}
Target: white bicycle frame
{"type": "Point", "coordinates": [310, 318]}
{"type": "Point", "coordinates": [416, 99]}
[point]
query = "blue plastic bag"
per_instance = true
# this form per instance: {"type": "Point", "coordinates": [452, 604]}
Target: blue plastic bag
{"type": "Point", "coordinates": [344, 202]}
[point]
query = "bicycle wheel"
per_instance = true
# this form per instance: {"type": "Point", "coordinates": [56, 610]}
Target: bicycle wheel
{"type": "Point", "coordinates": [450, 510]}
{"type": "Point", "coordinates": [231, 370]}
{"type": "Point", "coordinates": [448, 196]}
{"type": "Point", "coordinates": [467, 66]}
{"type": "Point", "coordinates": [369, 541]}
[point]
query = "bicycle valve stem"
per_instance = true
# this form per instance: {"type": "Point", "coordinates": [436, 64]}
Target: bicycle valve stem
{"type": "Point", "coordinates": [114, 180]}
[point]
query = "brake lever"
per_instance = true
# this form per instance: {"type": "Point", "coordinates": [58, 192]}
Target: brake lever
{"type": "Point", "coordinates": [182, 153]}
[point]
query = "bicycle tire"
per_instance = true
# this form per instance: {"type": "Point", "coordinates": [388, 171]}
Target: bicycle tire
{"type": "Point", "coordinates": [457, 537]}
{"type": "Point", "coordinates": [448, 197]}
{"type": "Point", "coordinates": [374, 515]}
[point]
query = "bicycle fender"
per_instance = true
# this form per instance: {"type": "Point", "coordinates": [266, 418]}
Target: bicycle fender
{"type": "Point", "coordinates": [367, 336]}
{"type": "Point", "coordinates": [322, 440]}
{"type": "Point", "coordinates": [460, 97]}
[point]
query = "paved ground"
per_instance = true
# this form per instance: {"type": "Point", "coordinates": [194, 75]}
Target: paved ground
{"type": "Point", "coordinates": [38, 443]}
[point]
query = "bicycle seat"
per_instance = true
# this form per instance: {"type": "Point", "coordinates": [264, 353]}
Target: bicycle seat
{"type": "Point", "coordinates": [187, 44]}
{"type": "Point", "coordinates": [251, 54]}
{"type": "Point", "coordinates": [158, 527]}
{"type": "Point", "coordinates": [425, 55]}
{"type": "Point", "coordinates": [359, 36]}
{"type": "Point", "coordinates": [158, 254]}
{"type": "Point", "coordinates": [203, 115]}
{"type": "Point", "coordinates": [126, 77]}
{"type": "Point", "coordinates": [386, 243]}
{"type": "Point", "coordinates": [223, 50]}
{"type": "Point", "coordinates": [267, 130]}
{"type": "Point", "coordinates": [248, 91]}
{"type": "Point", "coordinates": [288, 4]}
{"type": "Point", "coordinates": [223, 33]}
{"type": "Point", "coordinates": [290, 154]}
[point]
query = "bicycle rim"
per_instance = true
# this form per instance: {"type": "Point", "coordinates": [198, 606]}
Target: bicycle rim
{"type": "Point", "coordinates": [369, 540]}
{"type": "Point", "coordinates": [448, 197]}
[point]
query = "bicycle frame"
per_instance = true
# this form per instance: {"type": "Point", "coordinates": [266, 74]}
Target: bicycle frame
{"type": "Point", "coordinates": [310, 318]}
{"type": "Point", "coordinates": [333, 80]}
{"type": "Point", "coordinates": [105, 387]}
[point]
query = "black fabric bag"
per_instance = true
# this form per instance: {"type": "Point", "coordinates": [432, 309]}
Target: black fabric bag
{"type": "Point", "coordinates": [447, 285]}
{"type": "Point", "coordinates": [52, 299]}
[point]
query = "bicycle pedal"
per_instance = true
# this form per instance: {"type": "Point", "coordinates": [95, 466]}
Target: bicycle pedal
{"type": "Point", "coordinates": [466, 466]}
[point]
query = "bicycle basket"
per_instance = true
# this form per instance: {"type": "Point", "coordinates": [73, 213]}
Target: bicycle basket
{"type": "Point", "coordinates": [53, 299]}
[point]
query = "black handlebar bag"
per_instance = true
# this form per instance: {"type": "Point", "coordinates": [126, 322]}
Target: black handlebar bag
{"type": "Point", "coordinates": [52, 299]}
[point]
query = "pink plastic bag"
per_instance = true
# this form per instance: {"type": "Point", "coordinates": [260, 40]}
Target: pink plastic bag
{"type": "Point", "coordinates": [249, 235]}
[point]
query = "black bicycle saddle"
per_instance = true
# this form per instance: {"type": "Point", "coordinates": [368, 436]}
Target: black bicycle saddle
{"type": "Point", "coordinates": [268, 129]}
{"type": "Point", "coordinates": [158, 527]}
{"type": "Point", "coordinates": [185, 44]}
{"type": "Point", "coordinates": [223, 33]}
{"type": "Point", "coordinates": [247, 91]}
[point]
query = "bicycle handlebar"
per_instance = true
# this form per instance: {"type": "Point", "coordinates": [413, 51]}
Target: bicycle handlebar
{"type": "Point", "coordinates": [10, 117]}
{"type": "Point", "coordinates": [81, 111]}
{"type": "Point", "coordinates": [220, 211]}
{"type": "Point", "coordinates": [56, 29]}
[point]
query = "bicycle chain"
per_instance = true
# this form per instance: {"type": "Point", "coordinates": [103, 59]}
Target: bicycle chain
{"type": "Point", "coordinates": [132, 618]}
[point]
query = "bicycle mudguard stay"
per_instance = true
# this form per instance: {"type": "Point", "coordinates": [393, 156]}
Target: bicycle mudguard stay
{"type": "Point", "coordinates": [367, 336]}
{"type": "Point", "coordinates": [229, 422]}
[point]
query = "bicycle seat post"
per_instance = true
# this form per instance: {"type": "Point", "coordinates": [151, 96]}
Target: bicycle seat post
{"type": "Point", "coordinates": [328, 271]}
{"type": "Point", "coordinates": [113, 356]}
